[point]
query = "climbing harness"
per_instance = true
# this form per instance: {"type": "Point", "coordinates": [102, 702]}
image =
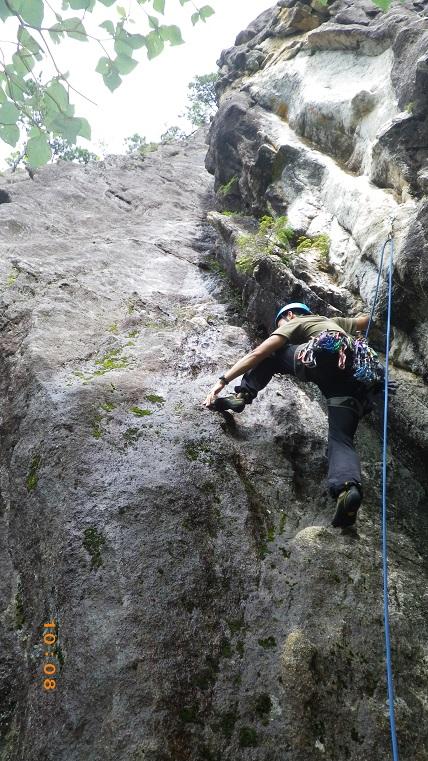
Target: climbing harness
{"type": "Point", "coordinates": [390, 681]}
{"type": "Point", "coordinates": [365, 364]}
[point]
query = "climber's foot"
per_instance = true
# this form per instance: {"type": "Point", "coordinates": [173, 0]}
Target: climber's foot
{"type": "Point", "coordinates": [347, 505]}
{"type": "Point", "coordinates": [234, 402]}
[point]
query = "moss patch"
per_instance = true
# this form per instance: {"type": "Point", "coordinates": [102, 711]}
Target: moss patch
{"type": "Point", "coordinates": [227, 723]}
{"type": "Point", "coordinates": [111, 361]}
{"type": "Point", "coordinates": [96, 430]}
{"type": "Point", "coordinates": [139, 412]}
{"type": "Point", "coordinates": [108, 406]}
{"type": "Point", "coordinates": [93, 542]}
{"type": "Point", "coordinates": [248, 738]}
{"type": "Point", "coordinates": [263, 705]}
{"type": "Point", "coordinates": [268, 644]}
{"type": "Point", "coordinates": [225, 648]}
{"type": "Point", "coordinates": [12, 277]}
{"type": "Point", "coordinates": [155, 399]}
{"type": "Point", "coordinates": [189, 714]}
{"type": "Point", "coordinates": [196, 449]}
{"type": "Point", "coordinates": [132, 435]}
{"type": "Point", "coordinates": [32, 477]}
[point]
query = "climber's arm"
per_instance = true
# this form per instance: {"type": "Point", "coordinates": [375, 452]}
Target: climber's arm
{"type": "Point", "coordinates": [362, 321]}
{"type": "Point", "coordinates": [250, 360]}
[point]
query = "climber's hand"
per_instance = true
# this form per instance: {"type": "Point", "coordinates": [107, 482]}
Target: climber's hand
{"type": "Point", "coordinates": [219, 386]}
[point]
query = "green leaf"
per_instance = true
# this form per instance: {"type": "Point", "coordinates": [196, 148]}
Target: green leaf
{"type": "Point", "coordinates": [155, 45]}
{"type": "Point", "coordinates": [10, 134]}
{"type": "Point", "coordinates": [183, 1]}
{"type": "Point", "coordinates": [16, 5]}
{"type": "Point", "coordinates": [3, 97]}
{"type": "Point", "coordinates": [23, 62]}
{"type": "Point", "coordinates": [9, 113]}
{"type": "Point", "coordinates": [195, 17]}
{"type": "Point", "coordinates": [136, 40]}
{"type": "Point", "coordinates": [56, 33]}
{"type": "Point", "coordinates": [32, 12]}
{"type": "Point", "coordinates": [124, 64]}
{"type": "Point", "coordinates": [121, 47]}
{"type": "Point", "coordinates": [38, 151]}
{"type": "Point", "coordinates": [159, 6]}
{"type": "Point", "coordinates": [112, 80]}
{"type": "Point", "coordinates": [27, 41]}
{"type": "Point", "coordinates": [68, 127]}
{"type": "Point", "coordinates": [108, 26]}
{"type": "Point", "coordinates": [121, 11]}
{"type": "Point", "coordinates": [17, 87]}
{"type": "Point", "coordinates": [205, 12]}
{"type": "Point", "coordinates": [84, 129]}
{"type": "Point", "coordinates": [154, 22]}
{"type": "Point", "coordinates": [103, 65]}
{"type": "Point", "coordinates": [58, 94]}
{"type": "Point", "coordinates": [82, 5]}
{"type": "Point", "coordinates": [108, 3]}
{"type": "Point", "coordinates": [5, 12]}
{"type": "Point", "coordinates": [74, 28]}
{"type": "Point", "coordinates": [171, 34]}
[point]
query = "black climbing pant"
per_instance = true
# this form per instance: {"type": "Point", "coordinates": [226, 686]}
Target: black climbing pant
{"type": "Point", "coordinates": [346, 400]}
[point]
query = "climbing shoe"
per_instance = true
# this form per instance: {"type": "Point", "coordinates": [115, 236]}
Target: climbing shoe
{"type": "Point", "coordinates": [234, 402]}
{"type": "Point", "coordinates": [347, 505]}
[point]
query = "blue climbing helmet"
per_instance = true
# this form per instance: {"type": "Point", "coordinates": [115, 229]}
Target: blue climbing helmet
{"type": "Point", "coordinates": [295, 307]}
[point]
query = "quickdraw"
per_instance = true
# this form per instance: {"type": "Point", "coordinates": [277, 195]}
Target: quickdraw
{"type": "Point", "coordinates": [365, 364]}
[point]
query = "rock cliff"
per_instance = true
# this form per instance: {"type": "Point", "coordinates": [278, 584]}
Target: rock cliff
{"type": "Point", "coordinates": [204, 607]}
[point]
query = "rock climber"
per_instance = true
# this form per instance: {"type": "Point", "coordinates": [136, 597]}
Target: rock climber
{"type": "Point", "coordinates": [321, 350]}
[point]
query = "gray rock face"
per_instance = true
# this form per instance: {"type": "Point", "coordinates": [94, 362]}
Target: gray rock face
{"type": "Point", "coordinates": [205, 608]}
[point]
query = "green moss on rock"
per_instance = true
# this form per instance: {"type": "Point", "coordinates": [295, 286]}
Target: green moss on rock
{"type": "Point", "coordinates": [140, 412]}
{"type": "Point", "coordinates": [155, 399]}
{"type": "Point", "coordinates": [32, 477]}
{"type": "Point", "coordinates": [268, 644]}
{"type": "Point", "coordinates": [93, 542]}
{"type": "Point", "coordinates": [248, 738]}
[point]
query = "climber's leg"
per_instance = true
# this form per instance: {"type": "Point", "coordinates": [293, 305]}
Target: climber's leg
{"type": "Point", "coordinates": [344, 469]}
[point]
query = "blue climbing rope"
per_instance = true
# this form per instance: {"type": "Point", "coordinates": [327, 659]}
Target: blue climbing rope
{"type": "Point", "coordinates": [384, 518]}
{"type": "Point", "coordinates": [389, 675]}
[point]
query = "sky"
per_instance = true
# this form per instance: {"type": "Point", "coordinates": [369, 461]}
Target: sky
{"type": "Point", "coordinates": [151, 98]}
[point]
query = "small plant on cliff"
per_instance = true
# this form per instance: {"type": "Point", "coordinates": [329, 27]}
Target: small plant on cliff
{"type": "Point", "coordinates": [273, 238]}
{"type": "Point", "coordinates": [320, 242]}
{"type": "Point", "coordinates": [227, 188]}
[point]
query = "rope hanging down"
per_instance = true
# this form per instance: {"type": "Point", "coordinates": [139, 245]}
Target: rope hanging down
{"type": "Point", "coordinates": [389, 674]}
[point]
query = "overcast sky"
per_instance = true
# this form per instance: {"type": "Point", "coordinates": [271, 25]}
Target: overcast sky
{"type": "Point", "coordinates": [151, 98]}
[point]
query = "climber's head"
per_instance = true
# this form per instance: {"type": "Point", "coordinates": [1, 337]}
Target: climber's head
{"type": "Point", "coordinates": [291, 310]}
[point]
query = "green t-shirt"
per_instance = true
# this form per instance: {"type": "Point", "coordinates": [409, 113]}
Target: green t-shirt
{"type": "Point", "coordinates": [300, 329]}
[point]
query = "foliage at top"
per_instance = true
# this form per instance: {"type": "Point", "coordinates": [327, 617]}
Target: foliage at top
{"type": "Point", "coordinates": [202, 99]}
{"type": "Point", "coordinates": [38, 27]}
